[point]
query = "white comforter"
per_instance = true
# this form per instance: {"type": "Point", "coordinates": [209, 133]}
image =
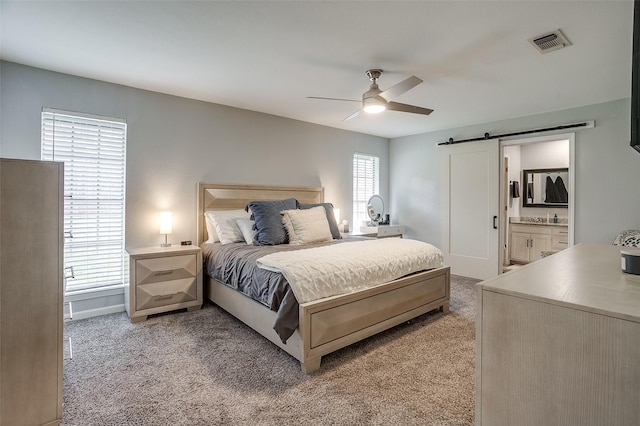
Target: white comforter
{"type": "Point", "coordinates": [320, 272]}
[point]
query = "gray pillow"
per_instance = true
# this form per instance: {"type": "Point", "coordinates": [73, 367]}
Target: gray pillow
{"type": "Point", "coordinates": [331, 218]}
{"type": "Point", "coordinates": [266, 214]}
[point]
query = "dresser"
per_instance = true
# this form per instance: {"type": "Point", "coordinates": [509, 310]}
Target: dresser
{"type": "Point", "coordinates": [558, 342]}
{"type": "Point", "coordinates": [31, 292]}
{"type": "Point", "coordinates": [163, 279]}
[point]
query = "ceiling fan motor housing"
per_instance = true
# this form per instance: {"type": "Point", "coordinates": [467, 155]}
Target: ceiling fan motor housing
{"type": "Point", "coordinates": [371, 99]}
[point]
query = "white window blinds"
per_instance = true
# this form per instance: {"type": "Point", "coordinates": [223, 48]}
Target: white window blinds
{"type": "Point", "coordinates": [366, 177]}
{"type": "Point", "coordinates": [93, 151]}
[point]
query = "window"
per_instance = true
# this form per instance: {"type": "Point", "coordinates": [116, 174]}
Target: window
{"type": "Point", "coordinates": [93, 151]}
{"type": "Point", "coordinates": [366, 177]}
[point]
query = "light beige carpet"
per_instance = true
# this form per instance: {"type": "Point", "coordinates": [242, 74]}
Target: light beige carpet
{"type": "Point", "coordinates": [207, 368]}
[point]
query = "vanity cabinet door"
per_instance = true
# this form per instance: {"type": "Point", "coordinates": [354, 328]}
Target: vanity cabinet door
{"type": "Point", "coordinates": [539, 243]}
{"type": "Point", "coordinates": [526, 247]}
{"type": "Point", "coordinates": [520, 247]}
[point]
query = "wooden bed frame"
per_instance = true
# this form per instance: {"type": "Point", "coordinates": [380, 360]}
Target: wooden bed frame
{"type": "Point", "coordinates": [328, 324]}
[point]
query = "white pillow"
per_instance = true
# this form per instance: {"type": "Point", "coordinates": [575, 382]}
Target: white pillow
{"type": "Point", "coordinates": [246, 227]}
{"type": "Point", "coordinates": [211, 228]}
{"type": "Point", "coordinates": [224, 226]}
{"type": "Point", "coordinates": [307, 226]}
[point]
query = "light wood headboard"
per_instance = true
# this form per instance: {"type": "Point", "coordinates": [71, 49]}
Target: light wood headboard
{"type": "Point", "coordinates": [214, 196]}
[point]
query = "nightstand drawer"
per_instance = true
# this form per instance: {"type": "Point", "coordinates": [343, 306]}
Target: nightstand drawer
{"type": "Point", "coordinates": [166, 269]}
{"type": "Point", "coordinates": [164, 293]}
{"type": "Point", "coordinates": [390, 230]}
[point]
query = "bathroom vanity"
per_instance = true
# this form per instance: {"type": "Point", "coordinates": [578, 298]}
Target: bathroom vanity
{"type": "Point", "coordinates": [532, 239]}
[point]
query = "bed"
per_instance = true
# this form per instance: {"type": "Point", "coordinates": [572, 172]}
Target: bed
{"type": "Point", "coordinates": [331, 323]}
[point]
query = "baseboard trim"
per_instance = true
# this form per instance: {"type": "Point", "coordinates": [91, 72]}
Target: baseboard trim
{"type": "Point", "coordinates": [89, 313]}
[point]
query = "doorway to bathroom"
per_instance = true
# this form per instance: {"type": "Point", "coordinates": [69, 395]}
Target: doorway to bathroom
{"type": "Point", "coordinates": [537, 193]}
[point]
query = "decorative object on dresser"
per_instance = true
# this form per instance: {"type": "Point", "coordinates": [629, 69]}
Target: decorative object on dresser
{"type": "Point", "coordinates": [31, 292]}
{"type": "Point", "coordinates": [557, 342]}
{"type": "Point", "coordinates": [321, 326]}
{"type": "Point", "coordinates": [163, 279]}
{"type": "Point", "coordinates": [375, 210]}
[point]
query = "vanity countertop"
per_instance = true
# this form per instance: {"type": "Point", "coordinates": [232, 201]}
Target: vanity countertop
{"type": "Point", "coordinates": [537, 221]}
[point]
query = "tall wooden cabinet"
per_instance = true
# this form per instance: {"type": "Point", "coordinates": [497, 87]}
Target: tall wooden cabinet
{"type": "Point", "coordinates": [31, 292]}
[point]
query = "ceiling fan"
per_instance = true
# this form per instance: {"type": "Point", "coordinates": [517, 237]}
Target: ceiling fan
{"type": "Point", "coordinates": [375, 100]}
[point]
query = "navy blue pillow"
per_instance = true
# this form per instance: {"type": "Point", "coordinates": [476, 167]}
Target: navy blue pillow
{"type": "Point", "coordinates": [269, 228]}
{"type": "Point", "coordinates": [331, 218]}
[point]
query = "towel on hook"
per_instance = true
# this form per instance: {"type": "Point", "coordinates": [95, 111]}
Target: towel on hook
{"type": "Point", "coordinates": [515, 189]}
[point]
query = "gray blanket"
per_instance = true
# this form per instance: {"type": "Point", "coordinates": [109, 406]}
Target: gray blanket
{"type": "Point", "coordinates": [235, 265]}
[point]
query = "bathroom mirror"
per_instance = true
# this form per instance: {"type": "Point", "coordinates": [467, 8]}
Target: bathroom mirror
{"type": "Point", "coordinates": [545, 187]}
{"type": "Point", "coordinates": [375, 209]}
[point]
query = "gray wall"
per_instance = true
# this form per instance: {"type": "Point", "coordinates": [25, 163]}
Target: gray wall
{"type": "Point", "coordinates": [173, 143]}
{"type": "Point", "coordinates": [607, 196]}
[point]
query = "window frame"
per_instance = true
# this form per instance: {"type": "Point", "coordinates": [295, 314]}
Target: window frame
{"type": "Point", "coordinates": [366, 182]}
{"type": "Point", "coordinates": [93, 149]}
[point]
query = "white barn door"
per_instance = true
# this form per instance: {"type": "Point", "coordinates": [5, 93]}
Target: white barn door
{"type": "Point", "coordinates": [471, 206]}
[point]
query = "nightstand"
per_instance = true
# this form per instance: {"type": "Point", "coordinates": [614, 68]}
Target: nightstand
{"type": "Point", "coordinates": [163, 279]}
{"type": "Point", "coordinates": [380, 231]}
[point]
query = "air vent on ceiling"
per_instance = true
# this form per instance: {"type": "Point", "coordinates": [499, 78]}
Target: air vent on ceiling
{"type": "Point", "coordinates": [550, 41]}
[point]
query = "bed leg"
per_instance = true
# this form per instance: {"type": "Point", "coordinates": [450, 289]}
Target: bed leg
{"type": "Point", "coordinates": [445, 307]}
{"type": "Point", "coordinates": [310, 365]}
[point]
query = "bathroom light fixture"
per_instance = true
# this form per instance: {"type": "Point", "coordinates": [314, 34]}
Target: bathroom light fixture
{"type": "Point", "coordinates": [165, 227]}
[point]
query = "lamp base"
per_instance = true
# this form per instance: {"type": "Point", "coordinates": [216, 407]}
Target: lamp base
{"type": "Point", "coordinates": [165, 245]}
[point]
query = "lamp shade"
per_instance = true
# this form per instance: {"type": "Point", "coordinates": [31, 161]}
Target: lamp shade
{"type": "Point", "coordinates": [165, 222]}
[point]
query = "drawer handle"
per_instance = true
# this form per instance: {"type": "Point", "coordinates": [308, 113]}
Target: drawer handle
{"type": "Point", "coordinates": [564, 232]}
{"type": "Point", "coordinates": [168, 272]}
{"type": "Point", "coordinates": [165, 296]}
{"type": "Point", "coordinates": [562, 242]}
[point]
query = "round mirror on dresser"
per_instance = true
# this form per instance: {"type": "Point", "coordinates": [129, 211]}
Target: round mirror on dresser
{"type": "Point", "coordinates": [375, 209]}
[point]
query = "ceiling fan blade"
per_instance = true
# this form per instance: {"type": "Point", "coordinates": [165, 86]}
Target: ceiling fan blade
{"type": "Point", "coordinates": [395, 106]}
{"type": "Point", "coordinates": [400, 88]}
{"type": "Point", "coordinates": [333, 99]}
{"type": "Point", "coordinates": [354, 115]}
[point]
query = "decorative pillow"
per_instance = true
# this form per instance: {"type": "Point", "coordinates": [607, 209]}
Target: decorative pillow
{"type": "Point", "coordinates": [224, 223]}
{"type": "Point", "coordinates": [629, 238]}
{"type": "Point", "coordinates": [331, 218]}
{"type": "Point", "coordinates": [267, 216]}
{"type": "Point", "coordinates": [307, 226]}
{"type": "Point", "coordinates": [246, 227]}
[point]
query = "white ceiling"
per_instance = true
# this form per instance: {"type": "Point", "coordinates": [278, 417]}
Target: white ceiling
{"type": "Point", "coordinates": [268, 56]}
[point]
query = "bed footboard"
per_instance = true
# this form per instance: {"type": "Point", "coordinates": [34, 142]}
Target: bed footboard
{"type": "Point", "coordinates": [330, 324]}
{"type": "Point", "coordinates": [336, 322]}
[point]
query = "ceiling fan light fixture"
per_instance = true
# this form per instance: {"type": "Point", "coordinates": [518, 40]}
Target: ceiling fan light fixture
{"type": "Point", "coordinates": [375, 108]}
{"type": "Point", "coordinates": [374, 105]}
